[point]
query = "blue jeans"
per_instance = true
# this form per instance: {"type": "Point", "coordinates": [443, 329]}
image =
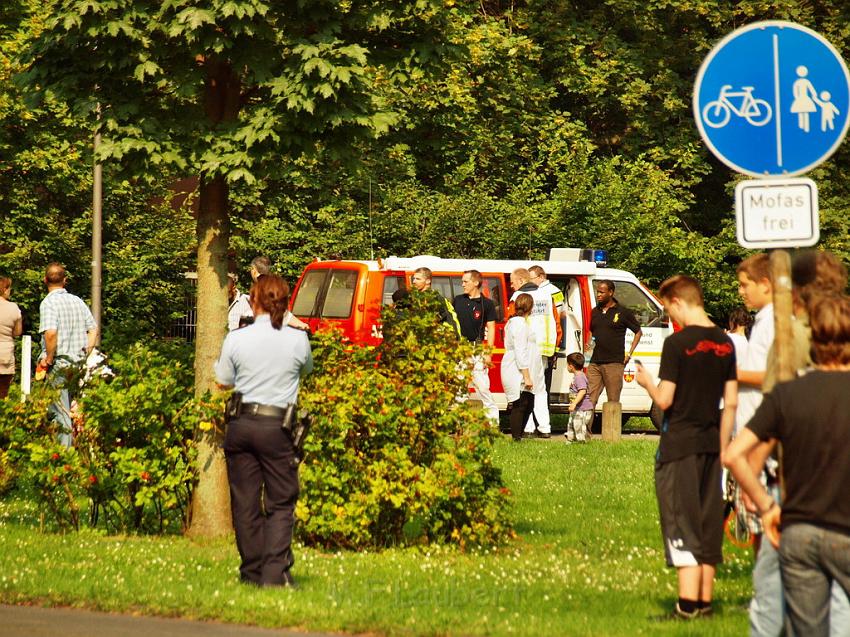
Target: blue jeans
{"type": "Point", "coordinates": [767, 616]}
{"type": "Point", "coordinates": [813, 560]}
{"type": "Point", "coordinates": [60, 411]}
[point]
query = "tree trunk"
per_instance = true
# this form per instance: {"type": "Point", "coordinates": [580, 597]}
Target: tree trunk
{"type": "Point", "coordinates": [211, 499]}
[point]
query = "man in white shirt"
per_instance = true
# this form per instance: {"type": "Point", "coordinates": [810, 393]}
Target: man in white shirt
{"type": "Point", "coordinates": [240, 305]}
{"type": "Point", "coordinates": [756, 290]}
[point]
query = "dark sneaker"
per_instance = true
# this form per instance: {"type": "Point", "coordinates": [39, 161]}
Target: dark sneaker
{"type": "Point", "coordinates": [677, 614]}
{"type": "Point", "coordinates": [540, 434]}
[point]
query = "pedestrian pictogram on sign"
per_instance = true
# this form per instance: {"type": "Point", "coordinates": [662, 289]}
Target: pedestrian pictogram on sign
{"type": "Point", "coordinates": [773, 99]}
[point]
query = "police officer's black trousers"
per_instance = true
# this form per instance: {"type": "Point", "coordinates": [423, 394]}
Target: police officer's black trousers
{"type": "Point", "coordinates": [259, 454]}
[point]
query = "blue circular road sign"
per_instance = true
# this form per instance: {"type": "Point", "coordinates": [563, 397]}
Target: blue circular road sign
{"type": "Point", "coordinates": [772, 98]}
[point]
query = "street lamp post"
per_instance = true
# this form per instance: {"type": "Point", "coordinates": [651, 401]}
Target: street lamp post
{"type": "Point", "coordinates": [97, 234]}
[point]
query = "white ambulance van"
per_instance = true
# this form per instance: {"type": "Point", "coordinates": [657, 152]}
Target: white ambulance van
{"type": "Point", "coordinates": [350, 295]}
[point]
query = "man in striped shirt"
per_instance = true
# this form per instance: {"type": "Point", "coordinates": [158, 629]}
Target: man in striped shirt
{"type": "Point", "coordinates": [68, 335]}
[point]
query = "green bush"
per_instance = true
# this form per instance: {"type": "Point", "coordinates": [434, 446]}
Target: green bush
{"type": "Point", "coordinates": [133, 457]}
{"type": "Point", "coordinates": [393, 457]}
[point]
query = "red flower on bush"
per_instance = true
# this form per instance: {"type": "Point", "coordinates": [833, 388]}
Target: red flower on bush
{"type": "Point", "coordinates": [55, 456]}
{"type": "Point", "coordinates": [145, 476]}
{"type": "Point", "coordinates": [93, 479]}
{"type": "Point", "coordinates": [67, 467]}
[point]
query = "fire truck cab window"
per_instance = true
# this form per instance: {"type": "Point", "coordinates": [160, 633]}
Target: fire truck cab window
{"type": "Point", "coordinates": [391, 284]}
{"type": "Point", "coordinates": [311, 285]}
{"type": "Point", "coordinates": [340, 295]}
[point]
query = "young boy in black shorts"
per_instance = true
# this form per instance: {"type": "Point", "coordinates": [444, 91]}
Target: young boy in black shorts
{"type": "Point", "coordinates": [697, 370]}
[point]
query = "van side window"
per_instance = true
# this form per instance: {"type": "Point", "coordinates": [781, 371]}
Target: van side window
{"type": "Point", "coordinates": [443, 285]}
{"type": "Point", "coordinates": [391, 284]}
{"type": "Point", "coordinates": [308, 293]}
{"type": "Point", "coordinates": [491, 288]}
{"type": "Point", "coordinates": [340, 295]}
{"type": "Point", "coordinates": [631, 296]}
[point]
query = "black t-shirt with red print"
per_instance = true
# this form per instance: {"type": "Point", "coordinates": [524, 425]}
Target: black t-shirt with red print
{"type": "Point", "coordinates": [699, 360]}
{"type": "Point", "coordinates": [473, 315]}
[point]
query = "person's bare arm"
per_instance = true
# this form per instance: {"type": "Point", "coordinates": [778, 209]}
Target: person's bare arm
{"type": "Point", "coordinates": [635, 342]}
{"type": "Point", "coordinates": [490, 328]}
{"type": "Point", "coordinates": [51, 339]}
{"type": "Point", "coordinates": [727, 418]}
{"type": "Point", "coordinates": [757, 459]}
{"type": "Point", "coordinates": [18, 328]}
{"type": "Point", "coordinates": [661, 394]}
{"type": "Point", "coordinates": [297, 323]}
{"type": "Point", "coordinates": [91, 340]}
{"type": "Point", "coordinates": [577, 400]}
{"type": "Point", "coordinates": [751, 378]}
{"type": "Point", "coordinates": [735, 458]}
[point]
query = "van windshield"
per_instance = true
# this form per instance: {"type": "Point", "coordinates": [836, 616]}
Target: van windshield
{"type": "Point", "coordinates": [326, 293]}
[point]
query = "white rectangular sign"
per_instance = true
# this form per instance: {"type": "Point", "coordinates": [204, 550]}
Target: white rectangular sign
{"type": "Point", "coordinates": [777, 213]}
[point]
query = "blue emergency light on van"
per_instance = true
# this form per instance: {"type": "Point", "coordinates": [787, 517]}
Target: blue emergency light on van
{"type": "Point", "coordinates": [599, 257]}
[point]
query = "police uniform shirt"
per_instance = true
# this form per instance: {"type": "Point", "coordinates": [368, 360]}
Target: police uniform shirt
{"type": "Point", "coordinates": [473, 315]}
{"type": "Point", "coordinates": [251, 361]}
{"type": "Point", "coordinates": [609, 330]}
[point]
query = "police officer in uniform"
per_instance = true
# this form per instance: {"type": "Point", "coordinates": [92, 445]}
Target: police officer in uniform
{"type": "Point", "coordinates": [263, 362]}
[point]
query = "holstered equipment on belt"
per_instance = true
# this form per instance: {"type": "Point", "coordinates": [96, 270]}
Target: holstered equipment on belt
{"type": "Point", "coordinates": [299, 434]}
{"type": "Point", "coordinates": [233, 406]}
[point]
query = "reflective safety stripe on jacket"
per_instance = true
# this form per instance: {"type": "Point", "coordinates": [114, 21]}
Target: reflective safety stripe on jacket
{"type": "Point", "coordinates": [451, 317]}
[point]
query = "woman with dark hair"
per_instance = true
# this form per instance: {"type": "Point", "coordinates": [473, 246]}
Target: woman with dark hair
{"type": "Point", "coordinates": [11, 327]}
{"type": "Point", "coordinates": [522, 367]}
{"type": "Point", "coordinates": [740, 323]}
{"type": "Point", "coordinates": [263, 363]}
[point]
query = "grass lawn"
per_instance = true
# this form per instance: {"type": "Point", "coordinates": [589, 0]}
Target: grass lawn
{"type": "Point", "coordinates": [588, 561]}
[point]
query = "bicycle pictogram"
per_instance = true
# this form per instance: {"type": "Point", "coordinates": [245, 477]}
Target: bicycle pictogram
{"type": "Point", "coordinates": [717, 113]}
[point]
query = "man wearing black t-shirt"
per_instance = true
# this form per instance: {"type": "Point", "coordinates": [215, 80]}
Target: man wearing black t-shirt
{"type": "Point", "coordinates": [477, 317]}
{"type": "Point", "coordinates": [697, 370]}
{"type": "Point", "coordinates": [810, 416]}
{"type": "Point", "coordinates": [608, 324]}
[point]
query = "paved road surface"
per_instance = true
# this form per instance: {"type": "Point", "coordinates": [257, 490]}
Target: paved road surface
{"type": "Point", "coordinates": [34, 621]}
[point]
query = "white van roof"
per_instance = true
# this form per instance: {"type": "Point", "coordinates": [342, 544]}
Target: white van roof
{"type": "Point", "coordinates": [439, 264]}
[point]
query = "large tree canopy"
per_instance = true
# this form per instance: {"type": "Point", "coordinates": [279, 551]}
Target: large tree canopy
{"type": "Point", "coordinates": [227, 90]}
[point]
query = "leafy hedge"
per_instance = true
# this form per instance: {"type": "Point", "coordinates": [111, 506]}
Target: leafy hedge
{"type": "Point", "coordinates": [133, 458]}
{"type": "Point", "coordinates": [393, 457]}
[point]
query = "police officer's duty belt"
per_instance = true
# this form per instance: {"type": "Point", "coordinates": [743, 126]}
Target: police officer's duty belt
{"type": "Point", "coordinates": [256, 409]}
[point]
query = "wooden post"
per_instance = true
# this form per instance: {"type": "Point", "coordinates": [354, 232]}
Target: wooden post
{"type": "Point", "coordinates": [783, 340]}
{"type": "Point", "coordinates": [612, 421]}
{"type": "Point", "coordinates": [783, 344]}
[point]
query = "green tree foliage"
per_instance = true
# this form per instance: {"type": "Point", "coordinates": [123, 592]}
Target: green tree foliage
{"type": "Point", "coordinates": [394, 458]}
{"type": "Point", "coordinates": [45, 194]}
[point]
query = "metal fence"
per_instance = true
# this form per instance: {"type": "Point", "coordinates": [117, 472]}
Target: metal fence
{"type": "Point", "coordinates": [185, 326]}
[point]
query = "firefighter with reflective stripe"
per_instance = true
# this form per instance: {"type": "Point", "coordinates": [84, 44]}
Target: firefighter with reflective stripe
{"type": "Point", "coordinates": [545, 328]}
{"type": "Point", "coordinates": [422, 282]}
{"type": "Point", "coordinates": [538, 277]}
